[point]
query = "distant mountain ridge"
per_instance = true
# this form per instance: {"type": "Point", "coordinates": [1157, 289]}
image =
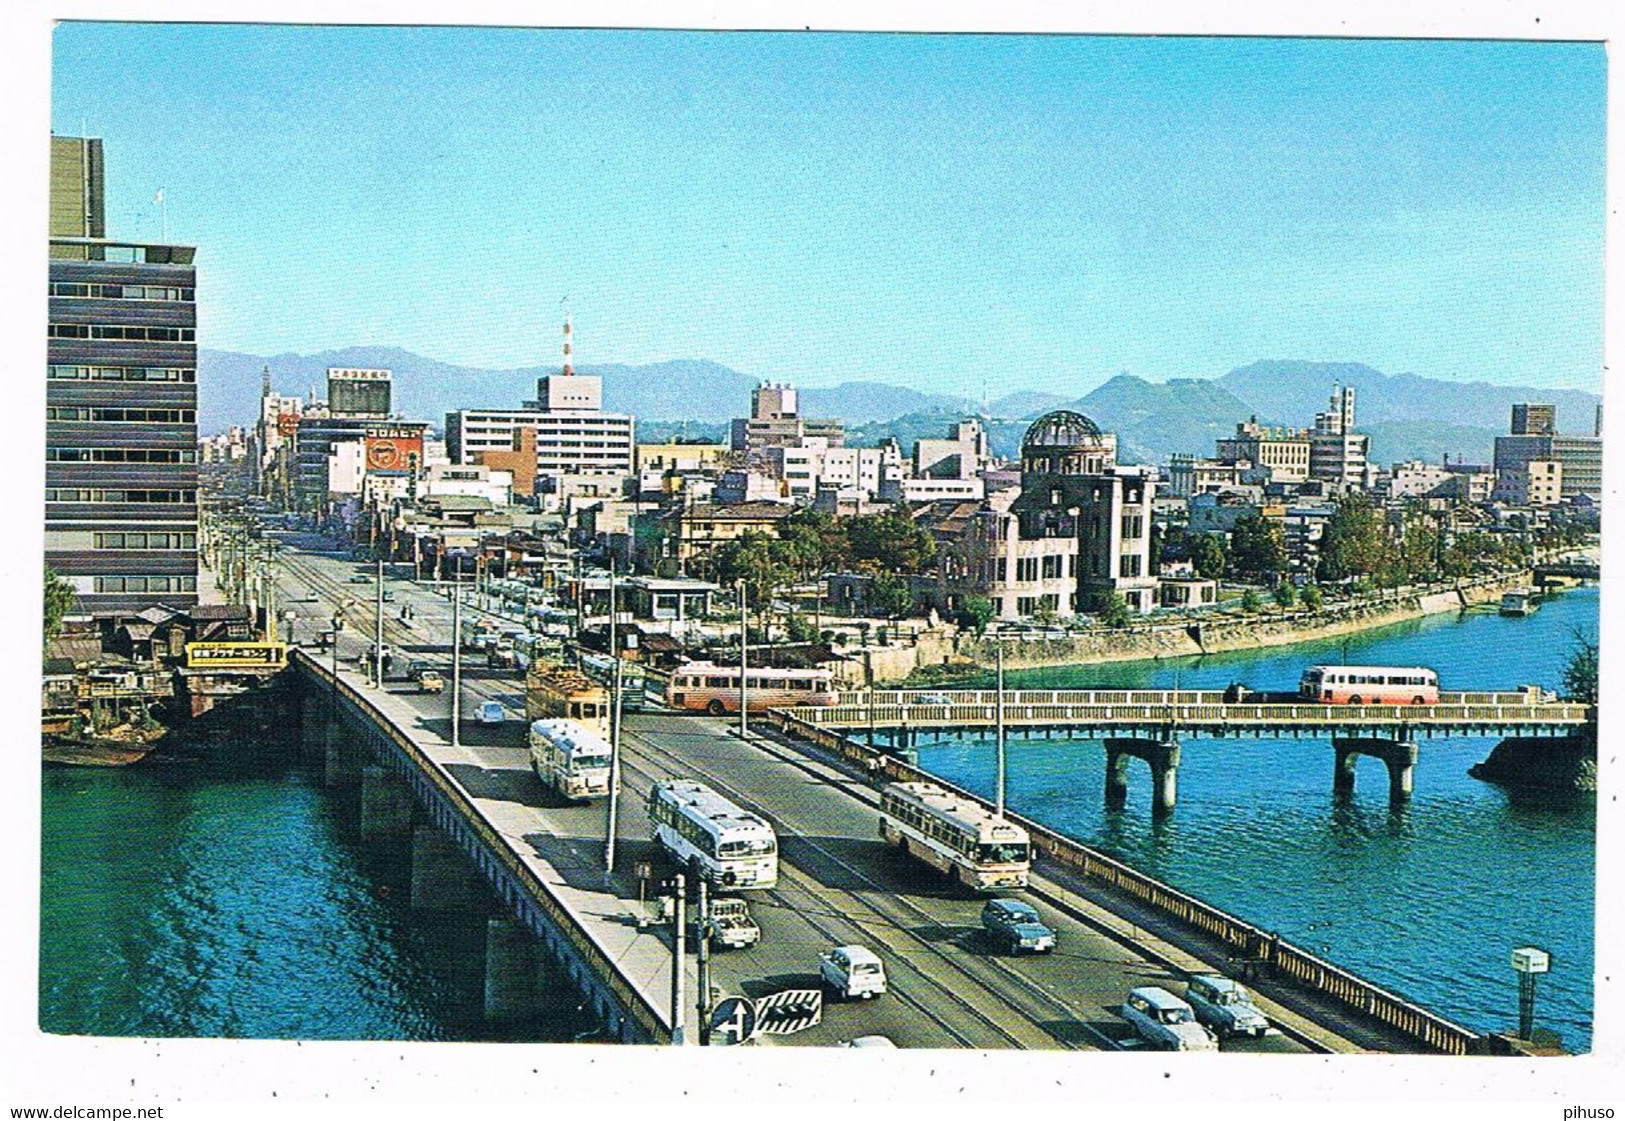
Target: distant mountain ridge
{"type": "Point", "coordinates": [1406, 416]}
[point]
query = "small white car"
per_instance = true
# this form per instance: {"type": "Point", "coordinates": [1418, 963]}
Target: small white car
{"type": "Point", "coordinates": [491, 712]}
{"type": "Point", "coordinates": [853, 972]}
{"type": "Point", "coordinates": [1164, 1021]}
{"type": "Point", "coordinates": [880, 1041]}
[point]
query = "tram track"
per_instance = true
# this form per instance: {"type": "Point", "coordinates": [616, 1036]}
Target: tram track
{"type": "Point", "coordinates": [1049, 1001]}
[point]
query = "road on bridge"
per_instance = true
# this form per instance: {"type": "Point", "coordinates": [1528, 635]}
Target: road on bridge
{"type": "Point", "coordinates": [838, 882]}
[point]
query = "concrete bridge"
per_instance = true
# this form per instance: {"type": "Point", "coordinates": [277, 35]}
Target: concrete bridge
{"type": "Point", "coordinates": [473, 813]}
{"type": "Point", "coordinates": [1149, 723]}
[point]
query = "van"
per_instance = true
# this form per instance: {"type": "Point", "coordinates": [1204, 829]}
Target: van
{"type": "Point", "coordinates": [852, 971]}
{"type": "Point", "coordinates": [491, 712]}
{"type": "Point", "coordinates": [1225, 1006]}
{"type": "Point", "coordinates": [1166, 1022]}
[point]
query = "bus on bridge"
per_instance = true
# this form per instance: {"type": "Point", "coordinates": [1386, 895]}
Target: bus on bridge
{"type": "Point", "coordinates": [954, 835]}
{"type": "Point", "coordinates": [1370, 685]}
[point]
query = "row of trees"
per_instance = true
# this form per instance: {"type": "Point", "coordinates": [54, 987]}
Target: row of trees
{"type": "Point", "coordinates": [887, 546]}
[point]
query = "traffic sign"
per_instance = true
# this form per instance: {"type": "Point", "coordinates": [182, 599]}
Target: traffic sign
{"type": "Point", "coordinates": [732, 1021]}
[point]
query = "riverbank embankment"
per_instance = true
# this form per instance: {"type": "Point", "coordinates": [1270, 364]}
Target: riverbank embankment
{"type": "Point", "coordinates": [1216, 632]}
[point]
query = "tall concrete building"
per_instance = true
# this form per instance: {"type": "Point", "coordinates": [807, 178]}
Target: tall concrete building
{"type": "Point", "coordinates": [775, 421]}
{"type": "Point", "coordinates": [1338, 454]}
{"type": "Point", "coordinates": [121, 404]}
{"type": "Point", "coordinates": [1580, 457]}
{"type": "Point", "coordinates": [574, 435]}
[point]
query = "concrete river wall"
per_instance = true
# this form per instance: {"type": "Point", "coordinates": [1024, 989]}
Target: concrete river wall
{"type": "Point", "coordinates": [1217, 633]}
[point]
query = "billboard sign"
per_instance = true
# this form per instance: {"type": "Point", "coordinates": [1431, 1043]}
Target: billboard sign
{"type": "Point", "coordinates": [394, 449]}
{"type": "Point", "coordinates": [236, 655]}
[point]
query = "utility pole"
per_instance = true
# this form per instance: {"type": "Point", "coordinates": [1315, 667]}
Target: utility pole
{"type": "Point", "coordinates": [614, 732]}
{"type": "Point", "coordinates": [704, 937]}
{"type": "Point", "coordinates": [678, 917]}
{"type": "Point", "coordinates": [456, 665]}
{"type": "Point", "coordinates": [998, 724]}
{"type": "Point", "coordinates": [378, 628]}
{"type": "Point", "coordinates": [744, 662]}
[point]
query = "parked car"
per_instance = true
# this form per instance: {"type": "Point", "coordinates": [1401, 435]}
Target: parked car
{"type": "Point", "coordinates": [491, 712]}
{"type": "Point", "coordinates": [852, 971]}
{"type": "Point", "coordinates": [1164, 1021]}
{"type": "Point", "coordinates": [1225, 1006]}
{"type": "Point", "coordinates": [1015, 926]}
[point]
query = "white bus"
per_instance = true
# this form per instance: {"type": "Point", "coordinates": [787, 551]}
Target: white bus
{"type": "Point", "coordinates": [955, 835]}
{"type": "Point", "coordinates": [703, 686]}
{"type": "Point", "coordinates": [712, 837]}
{"type": "Point", "coordinates": [570, 758]}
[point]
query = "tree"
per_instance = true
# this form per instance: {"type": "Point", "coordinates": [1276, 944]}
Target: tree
{"type": "Point", "coordinates": [751, 557]}
{"type": "Point", "coordinates": [799, 629]}
{"type": "Point", "coordinates": [1257, 546]}
{"type": "Point", "coordinates": [1312, 599]}
{"type": "Point", "coordinates": [1285, 594]}
{"type": "Point", "coordinates": [1355, 541]}
{"type": "Point", "coordinates": [812, 542]}
{"type": "Point", "coordinates": [889, 542]}
{"type": "Point", "coordinates": [891, 595]}
{"type": "Point", "coordinates": [1209, 555]}
{"type": "Point", "coordinates": [1249, 600]}
{"type": "Point", "coordinates": [975, 613]}
{"type": "Point", "coordinates": [1580, 674]}
{"type": "Point", "coordinates": [1112, 610]}
{"type": "Point", "coordinates": [59, 599]}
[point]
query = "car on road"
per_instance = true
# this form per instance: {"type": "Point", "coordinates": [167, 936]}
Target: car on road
{"type": "Point", "coordinates": [868, 1041]}
{"type": "Point", "coordinates": [852, 972]}
{"type": "Point", "coordinates": [730, 925]}
{"type": "Point", "coordinates": [1165, 1022]}
{"type": "Point", "coordinates": [430, 681]}
{"type": "Point", "coordinates": [491, 712]}
{"type": "Point", "coordinates": [1225, 1006]}
{"type": "Point", "coordinates": [360, 578]}
{"type": "Point", "coordinates": [1015, 926]}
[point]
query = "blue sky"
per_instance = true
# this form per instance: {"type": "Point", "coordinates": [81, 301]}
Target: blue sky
{"type": "Point", "coordinates": [953, 213]}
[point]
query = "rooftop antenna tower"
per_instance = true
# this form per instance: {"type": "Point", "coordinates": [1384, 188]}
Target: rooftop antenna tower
{"type": "Point", "coordinates": [569, 365]}
{"type": "Point", "coordinates": [265, 381]}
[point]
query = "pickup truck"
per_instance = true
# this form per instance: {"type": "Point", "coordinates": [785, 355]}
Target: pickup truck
{"type": "Point", "coordinates": [731, 925]}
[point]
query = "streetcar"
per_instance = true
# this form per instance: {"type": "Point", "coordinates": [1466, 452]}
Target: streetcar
{"type": "Point", "coordinates": [711, 837]}
{"type": "Point", "coordinates": [552, 691]}
{"type": "Point", "coordinates": [956, 836]}
{"type": "Point", "coordinates": [570, 758]}
{"type": "Point", "coordinates": [1370, 685]}
{"type": "Point", "coordinates": [601, 668]}
{"type": "Point", "coordinates": [706, 687]}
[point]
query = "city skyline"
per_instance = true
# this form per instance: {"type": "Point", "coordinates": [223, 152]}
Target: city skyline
{"type": "Point", "coordinates": [961, 214]}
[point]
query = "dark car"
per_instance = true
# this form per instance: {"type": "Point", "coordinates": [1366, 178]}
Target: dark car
{"type": "Point", "coordinates": [1016, 927]}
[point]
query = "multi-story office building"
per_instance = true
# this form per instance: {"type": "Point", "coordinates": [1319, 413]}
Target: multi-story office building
{"type": "Point", "coordinates": [1579, 456]}
{"type": "Point", "coordinates": [1338, 454]}
{"type": "Point", "coordinates": [775, 421]}
{"type": "Point", "coordinates": [1534, 420]}
{"type": "Point", "coordinates": [121, 404]}
{"type": "Point", "coordinates": [574, 435]}
{"type": "Point", "coordinates": [1284, 452]}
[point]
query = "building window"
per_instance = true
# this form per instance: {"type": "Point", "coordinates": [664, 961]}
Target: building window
{"type": "Point", "coordinates": [1133, 525]}
{"type": "Point", "coordinates": [121, 291]}
{"type": "Point", "coordinates": [121, 455]}
{"type": "Point", "coordinates": [136, 416]}
{"type": "Point", "coordinates": [121, 333]}
{"type": "Point", "coordinates": [115, 585]}
{"type": "Point", "coordinates": [120, 373]}
{"type": "Point", "coordinates": [99, 495]}
{"type": "Point", "coordinates": [149, 541]}
{"type": "Point", "coordinates": [1129, 565]}
{"type": "Point", "coordinates": [1026, 570]}
{"type": "Point", "coordinates": [1052, 568]}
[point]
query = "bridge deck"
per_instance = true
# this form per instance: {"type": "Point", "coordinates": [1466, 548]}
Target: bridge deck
{"type": "Point", "coordinates": [1195, 711]}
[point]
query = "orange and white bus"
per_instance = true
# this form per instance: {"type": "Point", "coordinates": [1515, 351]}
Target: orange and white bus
{"type": "Point", "coordinates": [706, 687]}
{"type": "Point", "coordinates": [1370, 685]}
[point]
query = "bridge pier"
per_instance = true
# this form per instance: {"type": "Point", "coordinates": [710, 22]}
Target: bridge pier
{"type": "Point", "coordinates": [1399, 754]}
{"type": "Point", "coordinates": [386, 804]}
{"type": "Point", "coordinates": [343, 760]}
{"type": "Point", "coordinates": [1162, 755]}
{"type": "Point", "coordinates": [513, 970]}
{"type": "Point", "coordinates": [442, 877]}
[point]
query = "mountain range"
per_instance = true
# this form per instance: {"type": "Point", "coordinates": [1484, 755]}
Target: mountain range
{"type": "Point", "coordinates": [1406, 416]}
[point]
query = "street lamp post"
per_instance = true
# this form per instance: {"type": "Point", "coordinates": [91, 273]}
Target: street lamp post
{"type": "Point", "coordinates": [744, 662]}
{"type": "Point", "coordinates": [998, 723]}
{"type": "Point", "coordinates": [614, 732]}
{"type": "Point", "coordinates": [456, 664]}
{"type": "Point", "coordinates": [378, 629]}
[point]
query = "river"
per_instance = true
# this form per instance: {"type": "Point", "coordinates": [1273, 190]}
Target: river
{"type": "Point", "coordinates": [1429, 901]}
{"type": "Point", "coordinates": [217, 892]}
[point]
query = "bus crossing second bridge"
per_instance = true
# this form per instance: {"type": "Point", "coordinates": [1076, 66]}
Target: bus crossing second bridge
{"type": "Point", "coordinates": [1148, 723]}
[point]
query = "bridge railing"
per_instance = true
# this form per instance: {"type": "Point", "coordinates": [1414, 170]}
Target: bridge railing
{"type": "Point", "coordinates": [861, 697]}
{"type": "Point", "coordinates": [648, 1017]}
{"type": "Point", "coordinates": [1212, 714]}
{"type": "Point", "coordinates": [1288, 960]}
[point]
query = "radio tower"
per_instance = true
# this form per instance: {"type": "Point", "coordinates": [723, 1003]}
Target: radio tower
{"type": "Point", "coordinates": [265, 381]}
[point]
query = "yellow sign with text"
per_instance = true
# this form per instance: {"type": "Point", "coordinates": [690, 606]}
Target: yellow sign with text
{"type": "Point", "coordinates": [236, 655]}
